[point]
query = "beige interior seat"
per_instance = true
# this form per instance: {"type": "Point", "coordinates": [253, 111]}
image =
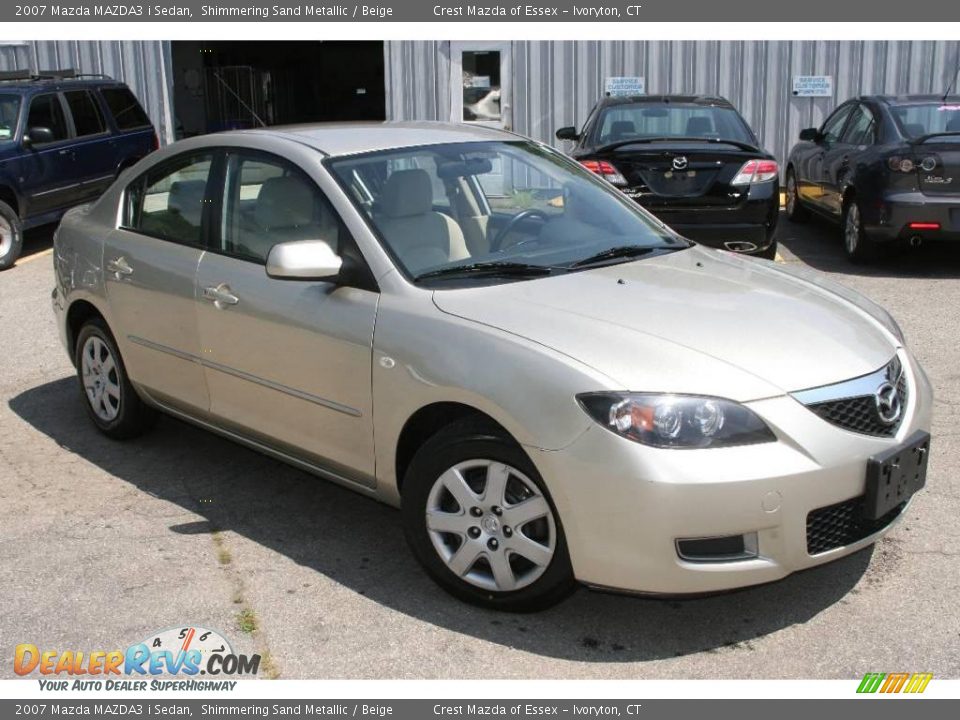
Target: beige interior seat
{"type": "Point", "coordinates": [420, 237]}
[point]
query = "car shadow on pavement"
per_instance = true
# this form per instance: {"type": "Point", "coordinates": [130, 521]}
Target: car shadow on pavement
{"type": "Point", "coordinates": [817, 243]}
{"type": "Point", "coordinates": [359, 543]}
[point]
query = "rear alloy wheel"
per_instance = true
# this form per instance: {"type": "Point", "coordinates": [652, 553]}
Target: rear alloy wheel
{"type": "Point", "coordinates": [11, 236]}
{"type": "Point", "coordinates": [479, 520]}
{"type": "Point", "coordinates": [858, 246]}
{"type": "Point", "coordinates": [796, 212]}
{"type": "Point", "coordinates": [110, 399]}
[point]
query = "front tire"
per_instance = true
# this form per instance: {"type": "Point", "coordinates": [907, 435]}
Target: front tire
{"type": "Point", "coordinates": [11, 236]}
{"type": "Point", "coordinates": [856, 243]}
{"type": "Point", "coordinates": [110, 400]}
{"type": "Point", "coordinates": [479, 519]}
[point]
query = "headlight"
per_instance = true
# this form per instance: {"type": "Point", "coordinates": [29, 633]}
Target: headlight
{"type": "Point", "coordinates": [676, 421]}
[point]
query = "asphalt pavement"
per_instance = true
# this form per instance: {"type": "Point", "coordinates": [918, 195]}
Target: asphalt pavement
{"type": "Point", "coordinates": [105, 542]}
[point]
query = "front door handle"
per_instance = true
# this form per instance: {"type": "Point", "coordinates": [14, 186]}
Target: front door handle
{"type": "Point", "coordinates": [220, 295]}
{"type": "Point", "coordinates": [119, 267]}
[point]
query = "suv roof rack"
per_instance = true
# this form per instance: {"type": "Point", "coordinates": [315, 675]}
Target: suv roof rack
{"type": "Point", "coordinates": [50, 75]}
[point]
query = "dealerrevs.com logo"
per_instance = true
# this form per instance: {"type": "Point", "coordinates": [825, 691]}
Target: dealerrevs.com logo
{"type": "Point", "coordinates": [184, 652]}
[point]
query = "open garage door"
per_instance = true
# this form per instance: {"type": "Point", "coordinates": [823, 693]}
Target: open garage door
{"type": "Point", "coordinates": [232, 84]}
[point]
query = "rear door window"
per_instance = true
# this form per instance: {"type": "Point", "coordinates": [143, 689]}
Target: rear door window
{"type": "Point", "coordinates": [87, 119]}
{"type": "Point", "coordinates": [169, 201]}
{"type": "Point", "coordinates": [46, 111]}
{"type": "Point", "coordinates": [126, 110]}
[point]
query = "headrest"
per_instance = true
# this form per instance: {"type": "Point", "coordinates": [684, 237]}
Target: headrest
{"type": "Point", "coordinates": [953, 124]}
{"type": "Point", "coordinates": [186, 198]}
{"type": "Point", "coordinates": [699, 125]}
{"type": "Point", "coordinates": [284, 202]}
{"type": "Point", "coordinates": [407, 192]}
{"type": "Point", "coordinates": [622, 129]}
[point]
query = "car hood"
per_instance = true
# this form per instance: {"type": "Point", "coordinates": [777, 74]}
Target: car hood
{"type": "Point", "coordinates": [695, 321]}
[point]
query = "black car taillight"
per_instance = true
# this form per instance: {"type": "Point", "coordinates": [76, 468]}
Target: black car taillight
{"type": "Point", "coordinates": [605, 170]}
{"type": "Point", "coordinates": [907, 164]}
{"type": "Point", "coordinates": [756, 171]}
{"type": "Point", "coordinates": [156, 141]}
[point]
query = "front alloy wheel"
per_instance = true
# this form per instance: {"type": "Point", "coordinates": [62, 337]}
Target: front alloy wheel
{"type": "Point", "coordinates": [490, 525]}
{"type": "Point", "coordinates": [478, 518]}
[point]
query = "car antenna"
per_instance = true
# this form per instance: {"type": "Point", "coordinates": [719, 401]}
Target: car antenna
{"type": "Point", "coordinates": [239, 99]}
{"type": "Point", "coordinates": [953, 81]}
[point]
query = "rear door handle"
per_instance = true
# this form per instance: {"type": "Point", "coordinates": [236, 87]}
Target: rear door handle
{"type": "Point", "coordinates": [220, 296]}
{"type": "Point", "coordinates": [119, 267]}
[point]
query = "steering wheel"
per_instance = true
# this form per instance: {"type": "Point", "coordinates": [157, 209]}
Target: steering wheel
{"type": "Point", "coordinates": [513, 222]}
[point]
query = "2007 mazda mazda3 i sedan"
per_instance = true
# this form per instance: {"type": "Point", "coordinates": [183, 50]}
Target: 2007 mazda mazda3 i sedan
{"type": "Point", "coordinates": [551, 384]}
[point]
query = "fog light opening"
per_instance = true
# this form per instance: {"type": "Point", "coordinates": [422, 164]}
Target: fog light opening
{"type": "Point", "coordinates": [725, 548]}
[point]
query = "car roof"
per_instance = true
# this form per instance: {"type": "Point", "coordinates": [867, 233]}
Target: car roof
{"type": "Point", "coordinates": [894, 100]}
{"type": "Point", "coordinates": [358, 137]}
{"type": "Point", "coordinates": [710, 100]}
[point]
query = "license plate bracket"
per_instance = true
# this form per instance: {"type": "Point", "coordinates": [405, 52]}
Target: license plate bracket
{"type": "Point", "coordinates": [894, 475]}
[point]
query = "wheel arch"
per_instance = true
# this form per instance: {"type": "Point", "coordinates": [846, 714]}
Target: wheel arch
{"type": "Point", "coordinates": [79, 312]}
{"type": "Point", "coordinates": [426, 422]}
{"type": "Point", "coordinates": [9, 196]}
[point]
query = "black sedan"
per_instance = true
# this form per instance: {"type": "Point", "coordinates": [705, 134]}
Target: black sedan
{"type": "Point", "coordinates": [692, 161]}
{"type": "Point", "coordinates": [886, 168]}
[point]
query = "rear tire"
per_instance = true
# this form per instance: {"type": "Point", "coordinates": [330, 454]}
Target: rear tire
{"type": "Point", "coordinates": [860, 248]}
{"type": "Point", "coordinates": [11, 236]}
{"type": "Point", "coordinates": [110, 400]}
{"type": "Point", "coordinates": [498, 545]}
{"type": "Point", "coordinates": [795, 210]}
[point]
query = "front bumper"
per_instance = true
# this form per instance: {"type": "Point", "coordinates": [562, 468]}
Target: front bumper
{"type": "Point", "coordinates": [623, 505]}
{"type": "Point", "coordinates": [891, 219]}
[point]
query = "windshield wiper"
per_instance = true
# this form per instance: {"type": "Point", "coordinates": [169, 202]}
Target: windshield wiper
{"type": "Point", "coordinates": [488, 268]}
{"type": "Point", "coordinates": [620, 251]}
{"type": "Point", "coordinates": [648, 140]}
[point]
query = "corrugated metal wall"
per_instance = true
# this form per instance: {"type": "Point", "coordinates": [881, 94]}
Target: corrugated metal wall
{"type": "Point", "coordinates": [146, 66]}
{"type": "Point", "coordinates": [556, 83]}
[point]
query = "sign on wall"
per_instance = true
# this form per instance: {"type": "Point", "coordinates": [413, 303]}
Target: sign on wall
{"type": "Point", "coordinates": [624, 86]}
{"type": "Point", "coordinates": [813, 85]}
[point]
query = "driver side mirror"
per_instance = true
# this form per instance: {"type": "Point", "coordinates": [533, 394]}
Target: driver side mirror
{"type": "Point", "coordinates": [303, 260]}
{"type": "Point", "coordinates": [38, 135]}
{"type": "Point", "coordinates": [810, 134]}
{"type": "Point", "coordinates": [567, 133]}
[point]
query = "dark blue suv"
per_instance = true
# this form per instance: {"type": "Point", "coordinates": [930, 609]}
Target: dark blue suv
{"type": "Point", "coordinates": [62, 143]}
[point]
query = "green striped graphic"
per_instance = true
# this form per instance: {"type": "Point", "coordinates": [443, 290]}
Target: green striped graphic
{"type": "Point", "coordinates": [871, 682]}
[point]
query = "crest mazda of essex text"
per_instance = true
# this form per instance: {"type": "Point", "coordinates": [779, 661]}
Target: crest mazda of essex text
{"type": "Point", "coordinates": [552, 384]}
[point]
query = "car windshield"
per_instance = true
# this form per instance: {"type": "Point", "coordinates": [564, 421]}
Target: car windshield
{"type": "Point", "coordinates": [9, 112]}
{"type": "Point", "coordinates": [929, 118]}
{"type": "Point", "coordinates": [618, 123]}
{"type": "Point", "coordinates": [495, 208]}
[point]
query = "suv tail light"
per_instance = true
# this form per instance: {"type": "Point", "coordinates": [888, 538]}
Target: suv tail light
{"type": "Point", "coordinates": [756, 171]}
{"type": "Point", "coordinates": [156, 141]}
{"type": "Point", "coordinates": [605, 170]}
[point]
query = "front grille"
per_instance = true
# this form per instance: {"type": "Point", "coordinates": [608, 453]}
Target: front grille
{"type": "Point", "coordinates": [843, 524]}
{"type": "Point", "coordinates": [860, 414]}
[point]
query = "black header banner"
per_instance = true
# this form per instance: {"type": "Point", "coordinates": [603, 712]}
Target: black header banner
{"type": "Point", "coordinates": [419, 11]}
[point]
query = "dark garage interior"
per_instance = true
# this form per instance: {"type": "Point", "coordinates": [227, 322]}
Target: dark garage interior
{"type": "Point", "coordinates": [227, 85]}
